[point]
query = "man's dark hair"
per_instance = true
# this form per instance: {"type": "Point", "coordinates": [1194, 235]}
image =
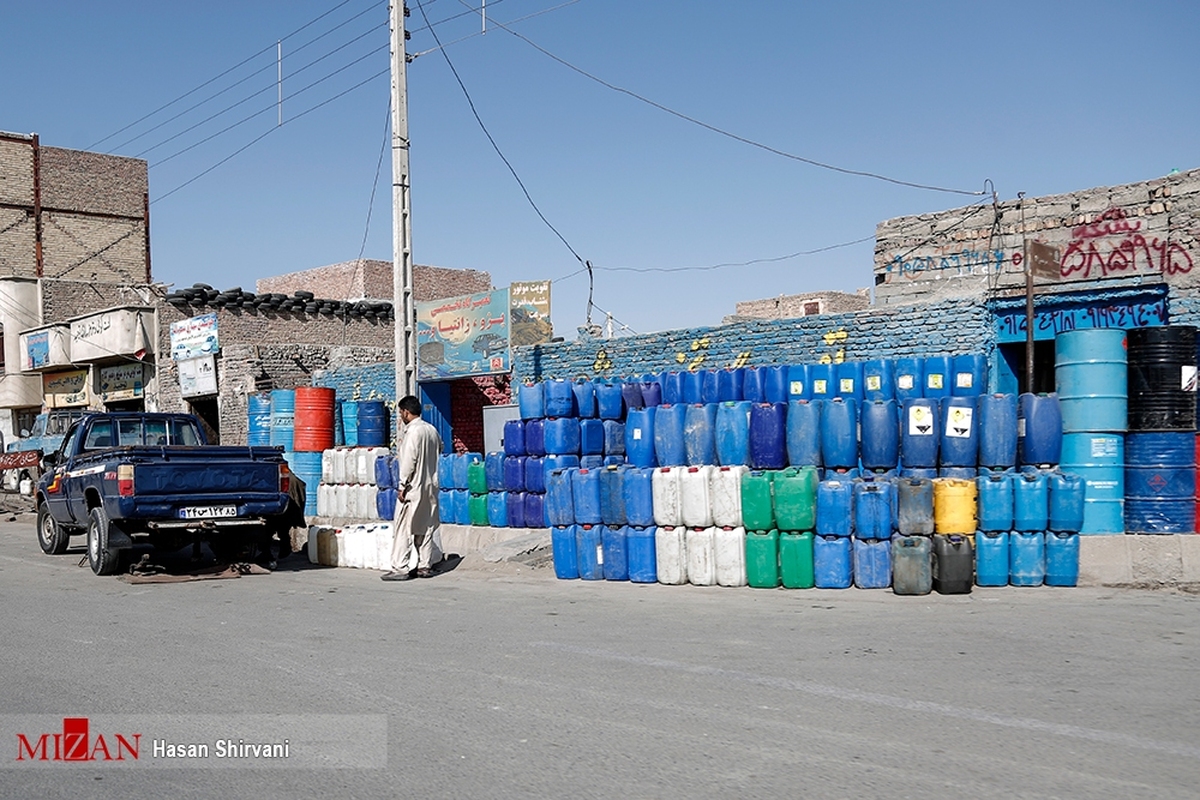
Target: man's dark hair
{"type": "Point", "coordinates": [410, 404]}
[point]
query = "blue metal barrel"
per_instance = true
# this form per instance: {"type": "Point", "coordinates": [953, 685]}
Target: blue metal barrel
{"type": "Point", "coordinates": [1099, 458]}
{"type": "Point", "coordinates": [1160, 482]}
{"type": "Point", "coordinates": [1090, 379]}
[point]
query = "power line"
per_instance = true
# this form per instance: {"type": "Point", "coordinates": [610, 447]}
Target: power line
{"type": "Point", "coordinates": [375, 184]}
{"type": "Point", "coordinates": [218, 77]}
{"type": "Point", "coordinates": [480, 33]}
{"type": "Point", "coordinates": [734, 136]}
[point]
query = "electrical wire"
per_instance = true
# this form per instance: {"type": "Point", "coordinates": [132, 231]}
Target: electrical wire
{"type": "Point", "coordinates": [412, 56]}
{"type": "Point", "coordinates": [218, 77]}
{"type": "Point", "coordinates": [387, 124]}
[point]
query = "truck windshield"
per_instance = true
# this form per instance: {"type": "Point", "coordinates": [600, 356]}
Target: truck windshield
{"type": "Point", "coordinates": [130, 432]}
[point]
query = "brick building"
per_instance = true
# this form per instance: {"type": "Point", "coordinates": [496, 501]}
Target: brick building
{"type": "Point", "coordinates": [372, 278]}
{"type": "Point", "coordinates": [790, 306]}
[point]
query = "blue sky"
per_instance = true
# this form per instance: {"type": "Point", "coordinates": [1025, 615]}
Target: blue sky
{"type": "Point", "coordinates": [1038, 97]}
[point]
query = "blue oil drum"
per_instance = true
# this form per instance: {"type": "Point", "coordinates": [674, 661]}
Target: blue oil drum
{"type": "Point", "coordinates": [638, 493]}
{"type": "Point", "coordinates": [609, 402]}
{"type": "Point", "coordinates": [562, 435]}
{"type": "Point", "coordinates": [729, 384]}
{"type": "Point", "coordinates": [585, 399]}
{"type": "Point", "coordinates": [339, 432]}
{"type": "Point", "coordinates": [497, 509]}
{"type": "Point", "coordinates": [768, 435]}
{"type": "Point", "coordinates": [832, 562]}
{"type": "Point", "coordinates": [591, 437]}
{"type": "Point", "coordinates": [373, 424]}
{"type": "Point", "coordinates": [910, 378]}
{"type": "Point", "coordinates": [849, 380]}
{"type": "Point", "coordinates": [461, 464]}
{"type": "Point", "coordinates": [445, 471]}
{"type": "Point", "coordinates": [753, 388]}
{"type": "Point", "coordinates": [1066, 502]}
{"type": "Point", "coordinates": [939, 376]}
{"type": "Point", "coordinates": [733, 434]}
{"type": "Point", "coordinates": [669, 447]}
{"type": "Point", "coordinates": [1026, 558]}
{"type": "Point", "coordinates": [283, 419]}
{"type": "Point", "coordinates": [531, 400]}
{"type": "Point", "coordinates": [710, 386]}
{"type": "Point", "coordinates": [640, 554]}
{"type": "Point", "coordinates": [970, 375]}
{"type": "Point", "coordinates": [639, 437]}
{"type": "Point", "coordinates": [835, 508]}
{"type": "Point", "coordinates": [559, 398]}
{"type": "Point", "coordinates": [493, 470]}
{"type": "Point", "coordinates": [1039, 430]}
{"type": "Point", "coordinates": [535, 437]}
{"type": "Point", "coordinates": [959, 445]}
{"type": "Point", "coordinates": [872, 563]}
{"type": "Point", "coordinates": [591, 462]}
{"type": "Point", "coordinates": [914, 506]}
{"type": "Point", "coordinates": [996, 506]}
{"type": "Point", "coordinates": [839, 433]}
{"type": "Point", "coordinates": [880, 426]}
{"type": "Point", "coordinates": [693, 386]}
{"type": "Point", "coordinates": [798, 385]}
{"type": "Point", "coordinates": [920, 424]}
{"type": "Point", "coordinates": [1160, 482]}
{"type": "Point", "coordinates": [651, 393]}
{"type": "Point", "coordinates": [1031, 501]}
{"type": "Point", "coordinates": [672, 387]}
{"type": "Point", "coordinates": [514, 473]}
{"type": "Point", "coordinates": [1090, 379]}
{"type": "Point", "coordinates": [912, 567]}
{"type": "Point", "coordinates": [350, 423]}
{"type": "Point", "coordinates": [1062, 559]}
{"type": "Point", "coordinates": [535, 474]}
{"type": "Point", "coordinates": [991, 558]}
{"type": "Point", "coordinates": [585, 495]}
{"type": "Point", "coordinates": [589, 551]}
{"type": "Point", "coordinates": [515, 509]}
{"type": "Point", "coordinates": [560, 503]}
{"type": "Point", "coordinates": [535, 511]}
{"type": "Point", "coordinates": [258, 420]}
{"type": "Point", "coordinates": [612, 496]}
{"type": "Point", "coordinates": [804, 433]}
{"type": "Point", "coordinates": [566, 557]}
{"type": "Point", "coordinates": [514, 437]}
{"type": "Point", "coordinates": [822, 381]}
{"type": "Point", "coordinates": [614, 544]}
{"type": "Point", "coordinates": [1099, 458]}
{"type": "Point", "coordinates": [873, 509]}
{"type": "Point", "coordinates": [631, 393]}
{"type": "Point", "coordinates": [775, 384]}
{"type": "Point", "coordinates": [462, 507]}
{"type": "Point", "coordinates": [614, 437]}
{"type": "Point", "coordinates": [700, 434]}
{"type": "Point", "coordinates": [549, 463]}
{"type": "Point", "coordinates": [879, 380]}
{"type": "Point", "coordinates": [997, 425]}
{"type": "Point", "coordinates": [758, 507]}
{"type": "Point", "coordinates": [307, 466]}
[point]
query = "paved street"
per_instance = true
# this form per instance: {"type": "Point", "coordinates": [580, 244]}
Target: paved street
{"type": "Point", "coordinates": [503, 682]}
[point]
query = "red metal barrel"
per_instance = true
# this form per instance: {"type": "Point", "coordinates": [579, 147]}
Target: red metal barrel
{"type": "Point", "coordinates": [314, 419]}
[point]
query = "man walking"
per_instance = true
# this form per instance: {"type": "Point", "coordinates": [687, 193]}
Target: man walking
{"type": "Point", "coordinates": [416, 495]}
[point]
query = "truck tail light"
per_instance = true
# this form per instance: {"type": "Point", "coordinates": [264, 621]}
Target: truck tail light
{"type": "Point", "coordinates": [285, 479]}
{"type": "Point", "coordinates": [125, 480]}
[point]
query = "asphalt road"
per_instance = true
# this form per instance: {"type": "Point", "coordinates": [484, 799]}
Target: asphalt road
{"type": "Point", "coordinates": [503, 682]}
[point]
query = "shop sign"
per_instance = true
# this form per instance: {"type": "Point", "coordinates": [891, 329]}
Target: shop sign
{"type": "Point", "coordinates": [462, 336]}
{"type": "Point", "coordinates": [197, 376]}
{"type": "Point", "coordinates": [530, 313]}
{"type": "Point", "coordinates": [122, 382]}
{"type": "Point", "coordinates": [194, 337]}
{"type": "Point", "coordinates": [65, 389]}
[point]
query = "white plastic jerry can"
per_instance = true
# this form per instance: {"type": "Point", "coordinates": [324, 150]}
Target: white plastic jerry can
{"type": "Point", "coordinates": [725, 494]}
{"type": "Point", "coordinates": [694, 496]}
{"type": "Point", "coordinates": [702, 556]}
{"type": "Point", "coordinates": [327, 466]}
{"type": "Point", "coordinates": [731, 556]}
{"type": "Point", "coordinates": [665, 491]}
{"type": "Point", "coordinates": [324, 500]}
{"type": "Point", "coordinates": [670, 553]}
{"type": "Point", "coordinates": [384, 539]}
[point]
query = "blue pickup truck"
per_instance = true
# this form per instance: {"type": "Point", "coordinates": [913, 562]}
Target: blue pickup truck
{"type": "Point", "coordinates": [129, 478]}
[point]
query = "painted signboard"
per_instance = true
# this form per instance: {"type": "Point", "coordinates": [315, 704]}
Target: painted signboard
{"type": "Point", "coordinates": [122, 382]}
{"type": "Point", "coordinates": [65, 389]}
{"type": "Point", "coordinates": [194, 337]}
{"type": "Point", "coordinates": [37, 349]}
{"type": "Point", "coordinates": [197, 376]}
{"type": "Point", "coordinates": [462, 336]}
{"type": "Point", "coordinates": [529, 311]}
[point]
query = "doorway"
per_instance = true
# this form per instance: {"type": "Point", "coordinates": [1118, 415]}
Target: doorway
{"type": "Point", "coordinates": [1013, 377]}
{"type": "Point", "coordinates": [206, 411]}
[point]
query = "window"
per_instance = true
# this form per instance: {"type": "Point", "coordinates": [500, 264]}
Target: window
{"type": "Point", "coordinates": [812, 308]}
{"type": "Point", "coordinates": [100, 436]}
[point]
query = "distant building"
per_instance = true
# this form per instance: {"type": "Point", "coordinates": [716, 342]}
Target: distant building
{"type": "Point", "coordinates": [791, 306]}
{"type": "Point", "coordinates": [372, 278]}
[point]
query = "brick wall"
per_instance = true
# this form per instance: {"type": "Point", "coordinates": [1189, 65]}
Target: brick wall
{"type": "Point", "coordinates": [793, 305]}
{"type": "Point", "coordinates": [959, 326]}
{"type": "Point", "coordinates": [370, 278]}
{"type": "Point", "coordinates": [468, 397]}
{"type": "Point", "coordinates": [1104, 237]}
{"type": "Point", "coordinates": [63, 299]}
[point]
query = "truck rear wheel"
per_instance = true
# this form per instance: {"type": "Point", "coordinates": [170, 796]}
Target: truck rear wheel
{"type": "Point", "coordinates": [51, 536]}
{"type": "Point", "coordinates": [103, 559]}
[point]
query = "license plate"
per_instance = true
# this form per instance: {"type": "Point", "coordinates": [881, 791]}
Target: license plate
{"type": "Point", "coordinates": [207, 512]}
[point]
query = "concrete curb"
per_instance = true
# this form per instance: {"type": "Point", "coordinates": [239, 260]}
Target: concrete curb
{"type": "Point", "coordinates": [1123, 560]}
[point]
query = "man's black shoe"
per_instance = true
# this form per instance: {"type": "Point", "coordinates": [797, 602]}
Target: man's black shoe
{"type": "Point", "coordinates": [398, 576]}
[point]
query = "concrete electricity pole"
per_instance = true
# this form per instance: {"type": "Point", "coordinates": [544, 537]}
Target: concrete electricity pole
{"type": "Point", "coordinates": [402, 266]}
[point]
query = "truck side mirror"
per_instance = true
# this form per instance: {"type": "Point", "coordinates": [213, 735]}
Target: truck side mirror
{"type": "Point", "coordinates": [50, 459]}
{"type": "Point", "coordinates": [24, 433]}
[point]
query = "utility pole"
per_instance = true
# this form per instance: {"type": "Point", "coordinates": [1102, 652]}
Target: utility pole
{"type": "Point", "coordinates": [402, 267]}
